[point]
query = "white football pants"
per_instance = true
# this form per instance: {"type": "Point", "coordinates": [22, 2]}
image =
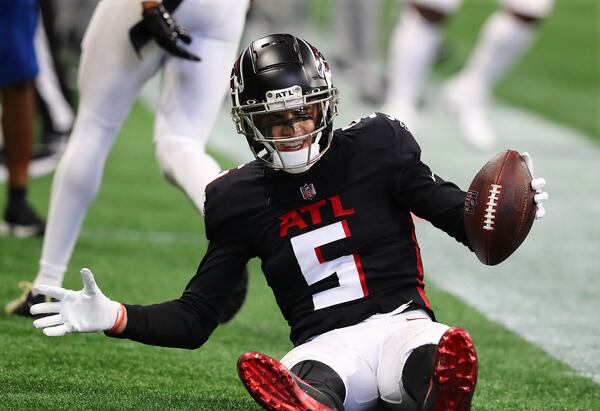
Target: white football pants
{"type": "Point", "coordinates": [110, 78]}
{"type": "Point", "coordinates": [370, 356]}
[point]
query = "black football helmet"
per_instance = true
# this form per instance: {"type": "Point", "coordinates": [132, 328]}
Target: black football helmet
{"type": "Point", "coordinates": [276, 74]}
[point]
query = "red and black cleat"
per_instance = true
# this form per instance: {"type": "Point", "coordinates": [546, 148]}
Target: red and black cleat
{"type": "Point", "coordinates": [274, 387]}
{"type": "Point", "coordinates": [454, 374]}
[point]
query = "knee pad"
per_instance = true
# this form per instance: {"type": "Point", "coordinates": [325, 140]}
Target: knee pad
{"type": "Point", "coordinates": [529, 8]}
{"type": "Point", "coordinates": [324, 379]}
{"type": "Point", "coordinates": [418, 370]}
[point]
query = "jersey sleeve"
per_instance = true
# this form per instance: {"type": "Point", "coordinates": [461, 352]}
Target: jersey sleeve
{"type": "Point", "coordinates": [418, 189]}
{"type": "Point", "coordinates": [188, 321]}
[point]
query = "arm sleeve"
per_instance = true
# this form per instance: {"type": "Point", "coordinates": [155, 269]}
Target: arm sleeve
{"type": "Point", "coordinates": [425, 194]}
{"type": "Point", "coordinates": [188, 321]}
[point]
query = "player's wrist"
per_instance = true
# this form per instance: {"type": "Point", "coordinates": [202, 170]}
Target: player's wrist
{"type": "Point", "coordinates": [120, 320]}
{"type": "Point", "coordinates": [150, 4]}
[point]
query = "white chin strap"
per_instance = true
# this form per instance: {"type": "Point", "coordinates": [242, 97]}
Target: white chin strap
{"type": "Point", "coordinates": [295, 162]}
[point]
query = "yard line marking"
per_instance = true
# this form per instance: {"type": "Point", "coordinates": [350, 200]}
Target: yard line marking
{"type": "Point", "coordinates": [133, 235]}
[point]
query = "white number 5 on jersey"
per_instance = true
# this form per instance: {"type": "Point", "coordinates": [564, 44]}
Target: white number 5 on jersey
{"type": "Point", "coordinates": [348, 268]}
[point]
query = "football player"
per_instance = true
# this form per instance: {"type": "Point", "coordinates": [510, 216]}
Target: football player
{"type": "Point", "coordinates": [126, 44]}
{"type": "Point", "coordinates": [18, 68]}
{"type": "Point", "coordinates": [329, 214]}
{"type": "Point", "coordinates": [504, 38]}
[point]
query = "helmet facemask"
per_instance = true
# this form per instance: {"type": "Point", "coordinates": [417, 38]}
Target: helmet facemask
{"type": "Point", "coordinates": [272, 127]}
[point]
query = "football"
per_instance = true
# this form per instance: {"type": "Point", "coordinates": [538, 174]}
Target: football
{"type": "Point", "coordinates": [499, 207]}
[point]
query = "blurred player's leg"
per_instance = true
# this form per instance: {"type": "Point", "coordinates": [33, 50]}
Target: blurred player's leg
{"type": "Point", "coordinates": [504, 38]}
{"type": "Point", "coordinates": [18, 103]}
{"type": "Point", "coordinates": [191, 98]}
{"type": "Point", "coordinates": [413, 47]}
{"type": "Point", "coordinates": [18, 68]}
{"type": "Point", "coordinates": [109, 80]}
{"type": "Point", "coordinates": [356, 50]}
{"type": "Point", "coordinates": [192, 94]}
{"type": "Point", "coordinates": [54, 103]}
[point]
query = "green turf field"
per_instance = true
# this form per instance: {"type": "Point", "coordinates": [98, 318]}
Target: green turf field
{"type": "Point", "coordinates": [132, 263]}
{"type": "Point", "coordinates": [143, 240]}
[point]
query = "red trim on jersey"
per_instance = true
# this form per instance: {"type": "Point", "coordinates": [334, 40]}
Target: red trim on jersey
{"type": "Point", "coordinates": [421, 285]}
{"type": "Point", "coordinates": [346, 228]}
{"type": "Point", "coordinates": [361, 275]}
{"type": "Point", "coordinates": [319, 255]}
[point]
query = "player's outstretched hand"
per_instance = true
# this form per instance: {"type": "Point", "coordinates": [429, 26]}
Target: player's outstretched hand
{"type": "Point", "coordinates": [537, 184]}
{"type": "Point", "coordinates": [159, 24]}
{"type": "Point", "coordinates": [87, 310]}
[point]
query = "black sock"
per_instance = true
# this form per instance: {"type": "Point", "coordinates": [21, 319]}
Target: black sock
{"type": "Point", "coordinates": [16, 196]}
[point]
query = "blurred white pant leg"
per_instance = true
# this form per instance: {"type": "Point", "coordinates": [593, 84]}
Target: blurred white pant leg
{"type": "Point", "coordinates": [48, 86]}
{"type": "Point", "coordinates": [413, 46]}
{"type": "Point", "coordinates": [192, 94]}
{"type": "Point", "coordinates": [110, 77]}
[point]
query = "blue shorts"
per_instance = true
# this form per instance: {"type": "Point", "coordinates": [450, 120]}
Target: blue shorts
{"type": "Point", "coordinates": [18, 21]}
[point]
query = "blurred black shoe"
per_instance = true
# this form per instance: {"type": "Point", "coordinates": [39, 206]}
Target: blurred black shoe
{"type": "Point", "coordinates": [236, 299]}
{"type": "Point", "coordinates": [21, 305]}
{"type": "Point", "coordinates": [21, 221]}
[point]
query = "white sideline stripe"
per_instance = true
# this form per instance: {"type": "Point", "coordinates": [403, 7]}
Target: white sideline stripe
{"type": "Point", "coordinates": [155, 237]}
{"type": "Point", "coordinates": [547, 291]}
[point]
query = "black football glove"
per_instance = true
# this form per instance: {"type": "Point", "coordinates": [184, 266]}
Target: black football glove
{"type": "Point", "coordinates": [159, 25]}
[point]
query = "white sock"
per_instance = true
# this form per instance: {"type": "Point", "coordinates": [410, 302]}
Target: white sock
{"type": "Point", "coordinates": [502, 41]}
{"type": "Point", "coordinates": [414, 44]}
{"type": "Point", "coordinates": [50, 274]}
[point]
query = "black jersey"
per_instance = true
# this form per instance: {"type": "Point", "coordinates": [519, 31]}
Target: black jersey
{"type": "Point", "coordinates": [337, 243]}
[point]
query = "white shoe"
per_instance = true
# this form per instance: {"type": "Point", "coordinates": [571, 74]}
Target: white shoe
{"type": "Point", "coordinates": [468, 103]}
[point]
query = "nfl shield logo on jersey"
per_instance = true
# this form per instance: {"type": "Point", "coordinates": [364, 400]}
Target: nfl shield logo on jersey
{"type": "Point", "coordinates": [308, 191]}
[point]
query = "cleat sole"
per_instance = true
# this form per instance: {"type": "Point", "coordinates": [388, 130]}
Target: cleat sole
{"type": "Point", "coordinates": [272, 385]}
{"type": "Point", "coordinates": [455, 373]}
